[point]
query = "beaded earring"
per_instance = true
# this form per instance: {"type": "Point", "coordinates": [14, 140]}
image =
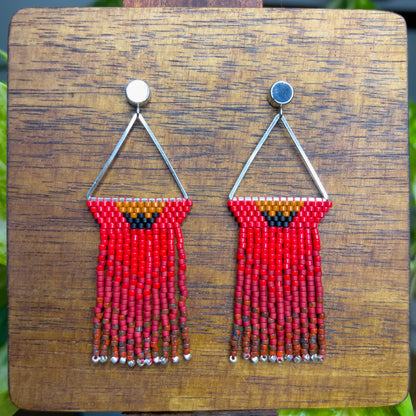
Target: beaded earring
{"type": "Point", "coordinates": [141, 254]}
{"type": "Point", "coordinates": [278, 306]}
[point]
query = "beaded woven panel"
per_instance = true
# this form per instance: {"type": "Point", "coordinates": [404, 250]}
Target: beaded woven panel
{"type": "Point", "coordinates": [279, 294]}
{"type": "Point", "coordinates": [141, 266]}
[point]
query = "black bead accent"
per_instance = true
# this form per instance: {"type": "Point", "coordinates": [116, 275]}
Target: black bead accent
{"type": "Point", "coordinates": [279, 220]}
{"type": "Point", "coordinates": [141, 221]}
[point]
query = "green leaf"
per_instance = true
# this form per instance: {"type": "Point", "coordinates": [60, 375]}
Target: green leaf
{"type": "Point", "coordinates": [412, 176]}
{"type": "Point", "coordinates": [308, 412]}
{"type": "Point", "coordinates": [3, 288]}
{"type": "Point", "coordinates": [405, 408]}
{"type": "Point", "coordinates": [3, 326]}
{"type": "Point", "coordinates": [108, 3]}
{"type": "Point", "coordinates": [7, 408]}
{"type": "Point", "coordinates": [402, 409]}
{"type": "Point", "coordinates": [3, 368]}
{"type": "Point", "coordinates": [412, 123]}
{"type": "Point", "coordinates": [352, 4]}
{"type": "Point", "coordinates": [337, 4]}
{"type": "Point", "coordinates": [3, 55]}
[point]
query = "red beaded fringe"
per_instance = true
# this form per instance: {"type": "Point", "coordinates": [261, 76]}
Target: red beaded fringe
{"type": "Point", "coordinates": [278, 306]}
{"type": "Point", "coordinates": [138, 263]}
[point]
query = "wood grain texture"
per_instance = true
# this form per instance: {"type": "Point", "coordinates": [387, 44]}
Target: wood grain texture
{"type": "Point", "coordinates": [209, 72]}
{"type": "Point", "coordinates": [193, 3]}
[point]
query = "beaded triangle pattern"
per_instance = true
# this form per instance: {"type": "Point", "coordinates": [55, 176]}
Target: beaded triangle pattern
{"type": "Point", "coordinates": [278, 306]}
{"type": "Point", "coordinates": [141, 281]}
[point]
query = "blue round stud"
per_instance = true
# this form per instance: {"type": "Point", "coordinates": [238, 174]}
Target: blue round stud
{"type": "Point", "coordinates": [281, 93]}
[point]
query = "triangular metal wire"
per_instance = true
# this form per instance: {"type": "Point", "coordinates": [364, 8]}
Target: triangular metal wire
{"type": "Point", "coordinates": [281, 93]}
{"type": "Point", "coordinates": [137, 92]}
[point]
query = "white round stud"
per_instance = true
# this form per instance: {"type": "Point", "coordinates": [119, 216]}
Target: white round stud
{"type": "Point", "coordinates": [175, 360]}
{"type": "Point", "coordinates": [114, 360]}
{"type": "Point", "coordinates": [137, 92]}
{"type": "Point", "coordinates": [140, 362]}
{"type": "Point", "coordinates": [288, 357]}
{"type": "Point", "coordinates": [123, 360]}
{"type": "Point", "coordinates": [187, 357]}
{"type": "Point", "coordinates": [246, 356]}
{"type": "Point", "coordinates": [314, 358]}
{"type": "Point", "coordinates": [297, 359]}
{"type": "Point", "coordinates": [163, 360]}
{"type": "Point", "coordinates": [233, 359]}
{"type": "Point", "coordinates": [321, 357]}
{"type": "Point", "coordinates": [103, 359]}
{"type": "Point", "coordinates": [255, 360]}
{"type": "Point", "coordinates": [131, 363]}
{"type": "Point", "coordinates": [95, 359]}
{"type": "Point", "coordinates": [272, 358]}
{"type": "Point", "coordinates": [306, 357]}
{"type": "Point", "coordinates": [280, 360]}
{"type": "Point", "coordinates": [156, 360]}
{"type": "Point", "coordinates": [263, 358]}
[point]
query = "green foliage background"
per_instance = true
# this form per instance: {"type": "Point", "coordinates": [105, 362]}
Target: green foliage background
{"type": "Point", "coordinates": [8, 409]}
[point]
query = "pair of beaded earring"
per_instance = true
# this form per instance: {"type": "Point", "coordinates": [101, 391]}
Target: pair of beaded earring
{"type": "Point", "coordinates": [141, 280]}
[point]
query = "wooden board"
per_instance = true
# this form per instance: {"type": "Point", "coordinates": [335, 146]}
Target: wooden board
{"type": "Point", "coordinates": [209, 72]}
